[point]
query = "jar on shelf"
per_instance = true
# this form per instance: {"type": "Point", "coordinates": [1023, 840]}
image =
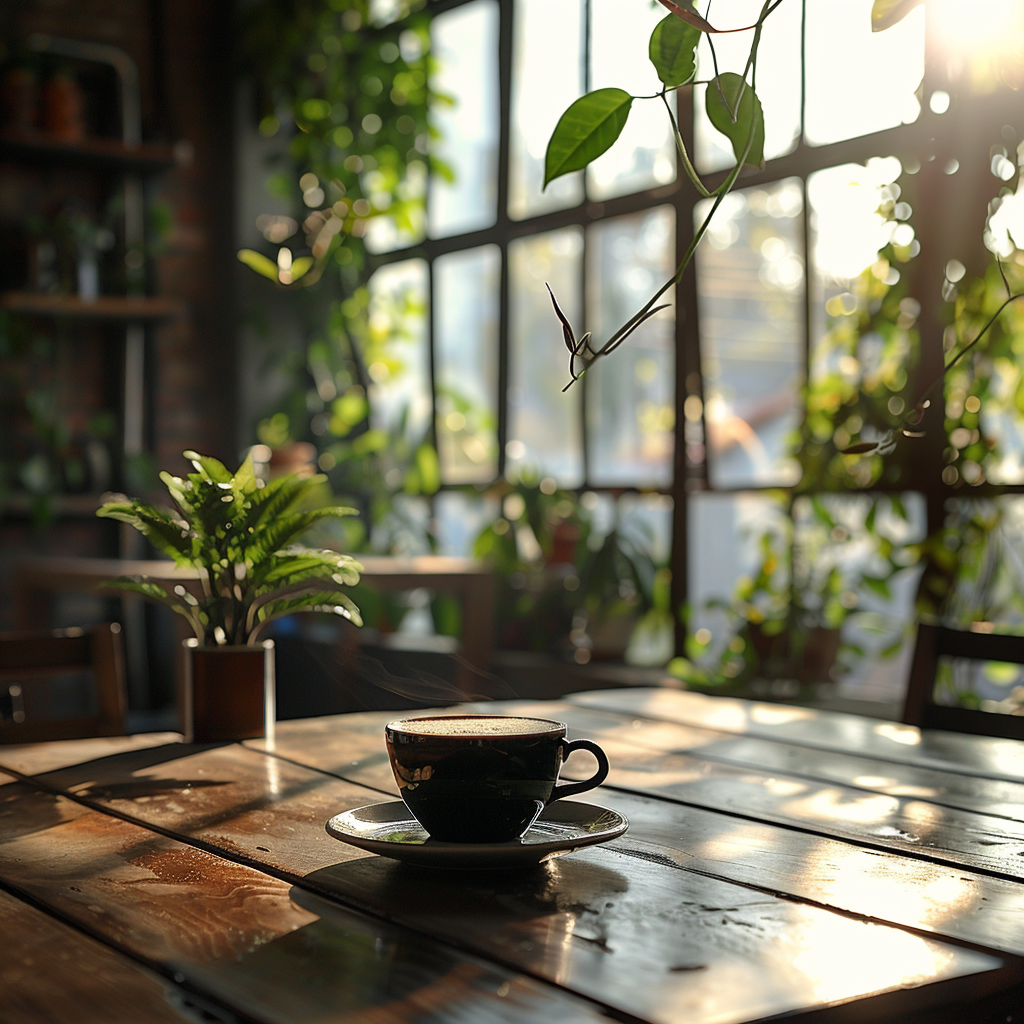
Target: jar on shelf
{"type": "Point", "coordinates": [62, 106]}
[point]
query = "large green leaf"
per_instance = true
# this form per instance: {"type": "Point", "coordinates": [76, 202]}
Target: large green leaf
{"type": "Point", "coordinates": [165, 533]}
{"type": "Point", "coordinates": [735, 111]}
{"type": "Point", "coordinates": [177, 488]}
{"type": "Point", "coordinates": [210, 467]}
{"type": "Point", "coordinates": [673, 50]}
{"type": "Point", "coordinates": [279, 495]}
{"type": "Point", "coordinates": [281, 531]}
{"type": "Point", "coordinates": [288, 567]}
{"type": "Point", "coordinates": [282, 494]}
{"type": "Point", "coordinates": [154, 592]}
{"type": "Point", "coordinates": [586, 130]}
{"type": "Point", "coordinates": [245, 479]}
{"type": "Point", "coordinates": [301, 266]}
{"type": "Point", "coordinates": [314, 601]}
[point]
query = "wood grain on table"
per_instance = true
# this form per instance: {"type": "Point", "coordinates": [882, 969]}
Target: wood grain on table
{"type": "Point", "coordinates": [633, 929]}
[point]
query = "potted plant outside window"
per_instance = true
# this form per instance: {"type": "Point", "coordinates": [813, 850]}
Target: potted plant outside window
{"type": "Point", "coordinates": [237, 533]}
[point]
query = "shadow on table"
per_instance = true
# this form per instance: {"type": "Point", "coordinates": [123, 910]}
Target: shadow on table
{"type": "Point", "coordinates": [538, 903]}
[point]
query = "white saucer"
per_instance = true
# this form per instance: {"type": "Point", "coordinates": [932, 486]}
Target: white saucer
{"type": "Point", "coordinates": [391, 831]}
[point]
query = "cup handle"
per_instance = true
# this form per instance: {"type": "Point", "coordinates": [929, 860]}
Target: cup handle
{"type": "Point", "coordinates": [570, 788]}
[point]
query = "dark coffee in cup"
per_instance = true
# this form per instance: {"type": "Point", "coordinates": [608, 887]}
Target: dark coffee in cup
{"type": "Point", "coordinates": [483, 778]}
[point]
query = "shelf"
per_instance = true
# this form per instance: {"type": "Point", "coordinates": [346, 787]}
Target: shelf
{"type": "Point", "coordinates": [105, 307]}
{"type": "Point", "coordinates": [27, 144]}
{"type": "Point", "coordinates": [64, 505]}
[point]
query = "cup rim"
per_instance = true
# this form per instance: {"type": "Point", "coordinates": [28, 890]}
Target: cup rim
{"type": "Point", "coordinates": [397, 725]}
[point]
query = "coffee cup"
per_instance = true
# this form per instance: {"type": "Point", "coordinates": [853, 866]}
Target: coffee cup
{"type": "Point", "coordinates": [483, 778]}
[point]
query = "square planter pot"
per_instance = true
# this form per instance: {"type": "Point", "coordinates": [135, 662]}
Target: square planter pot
{"type": "Point", "coordinates": [228, 693]}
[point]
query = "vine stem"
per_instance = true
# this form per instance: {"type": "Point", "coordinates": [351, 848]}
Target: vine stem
{"type": "Point", "coordinates": [684, 157]}
{"type": "Point", "coordinates": [720, 193]}
{"type": "Point", "coordinates": [967, 348]}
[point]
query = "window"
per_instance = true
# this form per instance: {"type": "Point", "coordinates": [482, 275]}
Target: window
{"type": "Point", "coordinates": [809, 319]}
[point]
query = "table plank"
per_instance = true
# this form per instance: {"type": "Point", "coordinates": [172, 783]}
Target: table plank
{"type": "Point", "coordinates": [944, 785]}
{"type": "Point", "coordinates": [913, 823]}
{"type": "Point", "coordinates": [585, 921]}
{"type": "Point", "coordinates": [247, 939]}
{"type": "Point", "coordinates": [984, 756]}
{"type": "Point", "coordinates": [56, 974]}
{"type": "Point", "coordinates": [32, 758]}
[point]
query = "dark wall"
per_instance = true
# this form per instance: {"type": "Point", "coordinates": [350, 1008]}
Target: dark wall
{"type": "Point", "coordinates": [183, 49]}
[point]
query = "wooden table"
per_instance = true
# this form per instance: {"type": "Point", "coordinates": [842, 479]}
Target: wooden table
{"type": "Point", "coordinates": [779, 860]}
{"type": "Point", "coordinates": [39, 580]}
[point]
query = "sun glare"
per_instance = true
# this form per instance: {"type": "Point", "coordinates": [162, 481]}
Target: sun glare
{"type": "Point", "coordinates": [983, 42]}
{"type": "Point", "coordinates": [985, 25]}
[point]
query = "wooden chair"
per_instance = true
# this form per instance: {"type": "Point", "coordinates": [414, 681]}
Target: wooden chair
{"type": "Point", "coordinates": [28, 658]}
{"type": "Point", "coordinates": [935, 642]}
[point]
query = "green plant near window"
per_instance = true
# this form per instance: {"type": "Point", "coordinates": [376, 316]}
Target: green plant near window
{"type": "Point", "coordinates": [350, 96]}
{"type": "Point", "coordinates": [238, 533]}
{"type": "Point", "coordinates": [824, 560]}
{"type": "Point", "coordinates": [849, 414]}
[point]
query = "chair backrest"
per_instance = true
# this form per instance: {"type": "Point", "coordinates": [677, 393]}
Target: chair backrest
{"type": "Point", "coordinates": [30, 659]}
{"type": "Point", "coordinates": [935, 642]}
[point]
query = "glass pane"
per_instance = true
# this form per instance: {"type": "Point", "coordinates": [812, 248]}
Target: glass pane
{"type": "Point", "coordinates": [544, 426]}
{"type": "Point", "coordinates": [644, 527]}
{"type": "Point", "coordinates": [750, 302]}
{"type": "Point", "coordinates": [778, 79]}
{"type": "Point", "coordinates": [983, 538]}
{"type": "Point", "coordinates": [859, 81]}
{"type": "Point", "coordinates": [465, 41]}
{"type": "Point", "coordinates": [547, 75]}
{"type": "Point", "coordinates": [466, 363]}
{"type": "Point", "coordinates": [644, 155]}
{"type": "Point", "coordinates": [399, 373]}
{"type": "Point", "coordinates": [651, 516]}
{"type": "Point", "coordinates": [857, 373]}
{"type": "Point", "coordinates": [839, 557]}
{"type": "Point", "coordinates": [459, 519]}
{"type": "Point", "coordinates": [630, 408]}
{"type": "Point", "coordinates": [722, 547]}
{"type": "Point", "coordinates": [984, 391]}
{"type": "Point", "coordinates": [763, 610]}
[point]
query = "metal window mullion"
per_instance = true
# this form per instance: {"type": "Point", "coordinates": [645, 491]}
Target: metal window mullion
{"type": "Point", "coordinates": [500, 233]}
{"type": "Point", "coordinates": [687, 370]}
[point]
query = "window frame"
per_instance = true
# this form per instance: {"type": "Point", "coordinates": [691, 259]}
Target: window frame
{"type": "Point", "coordinates": [930, 133]}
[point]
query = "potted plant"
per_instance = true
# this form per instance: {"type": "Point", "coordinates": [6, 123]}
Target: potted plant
{"type": "Point", "coordinates": [237, 533]}
{"type": "Point", "coordinates": [561, 591]}
{"type": "Point", "coordinates": [617, 587]}
{"type": "Point", "coordinates": [825, 572]}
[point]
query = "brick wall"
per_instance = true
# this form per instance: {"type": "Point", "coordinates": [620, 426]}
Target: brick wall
{"type": "Point", "coordinates": [183, 49]}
